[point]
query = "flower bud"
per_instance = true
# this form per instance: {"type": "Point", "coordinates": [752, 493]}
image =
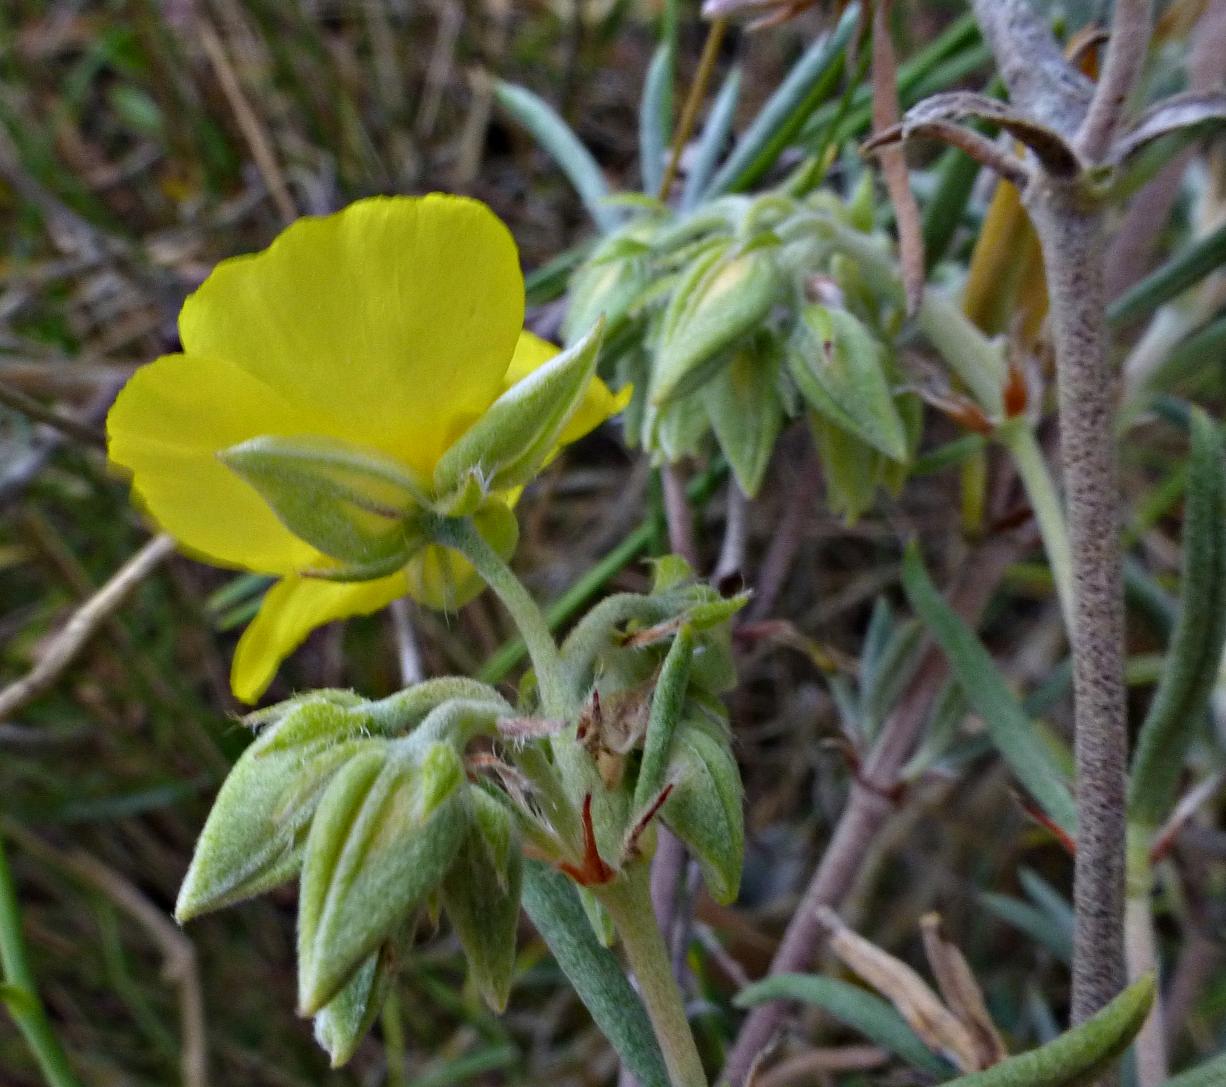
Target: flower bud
{"type": "Point", "coordinates": [342, 1023]}
{"type": "Point", "coordinates": [839, 367]}
{"type": "Point", "coordinates": [252, 839]}
{"type": "Point", "coordinates": [383, 838]}
{"type": "Point", "coordinates": [704, 808]}
{"type": "Point", "coordinates": [508, 445]}
{"type": "Point", "coordinates": [481, 897]}
{"type": "Point", "coordinates": [351, 504]}
{"type": "Point", "coordinates": [725, 295]}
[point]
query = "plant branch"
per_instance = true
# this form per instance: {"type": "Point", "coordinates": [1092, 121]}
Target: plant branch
{"type": "Point", "coordinates": [84, 623]}
{"type": "Point", "coordinates": [1126, 49]}
{"type": "Point", "coordinates": [629, 905]}
{"type": "Point", "coordinates": [867, 809]}
{"type": "Point", "coordinates": [460, 534]}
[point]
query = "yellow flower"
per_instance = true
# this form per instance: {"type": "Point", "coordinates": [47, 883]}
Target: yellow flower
{"type": "Point", "coordinates": [388, 328]}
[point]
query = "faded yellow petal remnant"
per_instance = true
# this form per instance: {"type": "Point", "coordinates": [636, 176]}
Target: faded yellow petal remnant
{"type": "Point", "coordinates": [389, 327]}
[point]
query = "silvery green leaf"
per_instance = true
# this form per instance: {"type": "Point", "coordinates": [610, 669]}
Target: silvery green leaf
{"type": "Point", "coordinates": [704, 808]}
{"type": "Point", "coordinates": [253, 836]}
{"type": "Point", "coordinates": [745, 412]}
{"type": "Point", "coordinates": [383, 837]}
{"type": "Point", "coordinates": [352, 504]}
{"type": "Point", "coordinates": [480, 895]}
{"type": "Point", "coordinates": [508, 444]}
{"type": "Point", "coordinates": [839, 367]}
{"type": "Point", "coordinates": [728, 298]}
{"type": "Point", "coordinates": [342, 1023]}
{"type": "Point", "coordinates": [1080, 1056]}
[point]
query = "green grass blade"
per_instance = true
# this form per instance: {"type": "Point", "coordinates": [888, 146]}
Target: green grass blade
{"type": "Point", "coordinates": [1185, 269]}
{"type": "Point", "coordinates": [555, 909]}
{"type": "Point", "coordinates": [1200, 633]}
{"type": "Point", "coordinates": [1011, 730]}
{"type": "Point", "coordinates": [853, 1006]}
{"type": "Point", "coordinates": [806, 86]}
{"type": "Point", "coordinates": [563, 146]}
{"type": "Point", "coordinates": [656, 116]}
{"type": "Point", "coordinates": [711, 144]}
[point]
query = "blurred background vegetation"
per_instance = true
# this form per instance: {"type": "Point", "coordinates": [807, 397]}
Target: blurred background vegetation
{"type": "Point", "coordinates": [143, 140]}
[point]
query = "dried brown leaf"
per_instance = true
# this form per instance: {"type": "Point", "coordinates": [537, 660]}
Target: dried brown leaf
{"type": "Point", "coordinates": [961, 991]}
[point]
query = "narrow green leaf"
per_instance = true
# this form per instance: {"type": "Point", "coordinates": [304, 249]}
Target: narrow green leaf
{"type": "Point", "coordinates": [1185, 269]}
{"type": "Point", "coordinates": [656, 116]}
{"type": "Point", "coordinates": [1078, 1057]}
{"type": "Point", "coordinates": [1195, 652]}
{"type": "Point", "coordinates": [805, 87]}
{"type": "Point", "coordinates": [566, 149]}
{"type": "Point", "coordinates": [554, 907]}
{"type": "Point", "coordinates": [711, 143]}
{"type": "Point", "coordinates": [857, 1008]}
{"type": "Point", "coordinates": [1034, 922]}
{"type": "Point", "coordinates": [1210, 1074]}
{"type": "Point", "coordinates": [1011, 730]}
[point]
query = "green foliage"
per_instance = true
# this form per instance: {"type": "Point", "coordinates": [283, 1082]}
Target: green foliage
{"type": "Point", "coordinates": [853, 1006]}
{"type": "Point", "coordinates": [1078, 1057]}
{"type": "Point", "coordinates": [594, 972]}
{"type": "Point", "coordinates": [1011, 730]}
{"type": "Point", "coordinates": [1195, 652]}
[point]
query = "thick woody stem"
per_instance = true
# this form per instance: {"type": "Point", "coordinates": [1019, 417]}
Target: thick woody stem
{"type": "Point", "coordinates": [1071, 233]}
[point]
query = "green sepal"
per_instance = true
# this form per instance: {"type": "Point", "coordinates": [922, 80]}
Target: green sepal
{"type": "Point", "coordinates": [704, 808]}
{"type": "Point", "coordinates": [253, 836]}
{"type": "Point", "coordinates": [724, 298]}
{"type": "Point", "coordinates": [679, 428]}
{"type": "Point", "coordinates": [383, 837]}
{"type": "Point", "coordinates": [1078, 1057]}
{"type": "Point", "coordinates": [481, 893]}
{"type": "Point", "coordinates": [514, 437]}
{"type": "Point", "coordinates": [851, 468]}
{"type": "Point", "coordinates": [342, 1023]}
{"type": "Point", "coordinates": [839, 367]}
{"type": "Point", "coordinates": [353, 505]}
{"type": "Point", "coordinates": [745, 411]}
{"type": "Point", "coordinates": [667, 703]}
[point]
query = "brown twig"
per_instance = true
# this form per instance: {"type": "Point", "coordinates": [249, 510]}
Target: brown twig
{"type": "Point", "coordinates": [1130, 29]}
{"type": "Point", "coordinates": [84, 622]}
{"type": "Point", "coordinates": [868, 807]}
{"type": "Point", "coordinates": [689, 112]}
{"type": "Point", "coordinates": [178, 954]}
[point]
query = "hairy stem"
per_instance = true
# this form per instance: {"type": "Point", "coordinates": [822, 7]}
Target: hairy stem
{"type": "Point", "coordinates": [1142, 957]}
{"type": "Point", "coordinates": [1126, 48]}
{"type": "Point", "coordinates": [460, 534]}
{"type": "Point", "coordinates": [629, 904]}
{"type": "Point", "coordinates": [1071, 233]}
{"type": "Point", "coordinates": [19, 994]}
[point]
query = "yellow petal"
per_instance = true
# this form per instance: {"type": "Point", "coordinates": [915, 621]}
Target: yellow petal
{"type": "Point", "coordinates": [291, 610]}
{"type": "Point", "coordinates": [166, 427]}
{"type": "Point", "coordinates": [393, 317]}
{"type": "Point", "coordinates": [598, 403]}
